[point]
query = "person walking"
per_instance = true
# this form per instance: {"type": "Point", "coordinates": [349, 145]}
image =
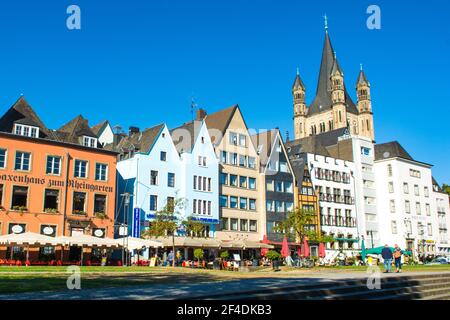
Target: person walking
{"type": "Point", "coordinates": [386, 254]}
{"type": "Point", "coordinates": [398, 258]}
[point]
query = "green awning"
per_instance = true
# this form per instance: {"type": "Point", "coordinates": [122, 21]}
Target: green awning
{"type": "Point", "coordinates": [346, 239]}
{"type": "Point", "coordinates": [379, 249]}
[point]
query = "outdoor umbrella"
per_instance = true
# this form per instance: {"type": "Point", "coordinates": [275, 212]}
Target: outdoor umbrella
{"type": "Point", "coordinates": [300, 250]}
{"type": "Point", "coordinates": [305, 248]}
{"type": "Point", "coordinates": [285, 252]}
{"type": "Point", "coordinates": [378, 250]}
{"type": "Point", "coordinates": [264, 250]}
{"type": "Point", "coordinates": [363, 251]}
{"type": "Point", "coordinates": [322, 253]}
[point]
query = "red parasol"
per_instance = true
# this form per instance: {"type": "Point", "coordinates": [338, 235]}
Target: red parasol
{"type": "Point", "coordinates": [322, 253]}
{"type": "Point", "coordinates": [305, 249]}
{"type": "Point", "coordinates": [264, 250]}
{"type": "Point", "coordinates": [285, 252]}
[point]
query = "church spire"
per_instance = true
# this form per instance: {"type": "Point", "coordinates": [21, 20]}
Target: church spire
{"type": "Point", "coordinates": [362, 79]}
{"type": "Point", "coordinates": [298, 83]}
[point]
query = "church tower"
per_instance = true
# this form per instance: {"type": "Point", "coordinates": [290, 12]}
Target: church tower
{"type": "Point", "coordinates": [364, 106]}
{"type": "Point", "coordinates": [338, 95]}
{"type": "Point", "coordinates": [298, 92]}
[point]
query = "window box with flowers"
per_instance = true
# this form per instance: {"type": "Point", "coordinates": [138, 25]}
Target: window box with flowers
{"type": "Point", "coordinates": [100, 215]}
{"type": "Point", "coordinates": [51, 210]}
{"type": "Point", "coordinates": [79, 212]}
{"type": "Point", "coordinates": [21, 209]}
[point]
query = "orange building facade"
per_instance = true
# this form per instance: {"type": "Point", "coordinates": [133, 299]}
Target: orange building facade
{"type": "Point", "coordinates": [52, 185]}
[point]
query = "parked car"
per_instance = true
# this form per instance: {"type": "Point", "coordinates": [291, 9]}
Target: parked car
{"type": "Point", "coordinates": [438, 261]}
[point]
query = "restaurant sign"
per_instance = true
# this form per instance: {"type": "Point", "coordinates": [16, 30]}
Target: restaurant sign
{"type": "Point", "coordinates": [51, 183]}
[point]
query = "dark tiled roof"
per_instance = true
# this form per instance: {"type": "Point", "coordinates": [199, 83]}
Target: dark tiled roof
{"type": "Point", "coordinates": [220, 120]}
{"type": "Point", "coordinates": [22, 113]}
{"type": "Point", "coordinates": [184, 137]}
{"type": "Point", "coordinates": [140, 141]}
{"type": "Point", "coordinates": [322, 100]}
{"type": "Point", "coordinates": [98, 127]}
{"type": "Point", "coordinates": [264, 142]}
{"type": "Point", "coordinates": [362, 79]}
{"type": "Point", "coordinates": [298, 83]}
{"type": "Point", "coordinates": [391, 150]}
{"type": "Point", "coordinates": [74, 129]}
{"type": "Point", "coordinates": [297, 160]}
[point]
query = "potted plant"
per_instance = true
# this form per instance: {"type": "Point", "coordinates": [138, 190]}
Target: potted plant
{"type": "Point", "coordinates": [274, 256]}
{"type": "Point", "coordinates": [51, 210]}
{"type": "Point", "coordinates": [100, 215]}
{"type": "Point", "coordinates": [224, 255]}
{"type": "Point", "coordinates": [21, 209]}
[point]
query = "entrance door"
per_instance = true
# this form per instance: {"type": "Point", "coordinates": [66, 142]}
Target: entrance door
{"type": "Point", "coordinates": [75, 253]}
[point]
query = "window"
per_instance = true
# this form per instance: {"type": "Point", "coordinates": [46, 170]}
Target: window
{"type": "Point", "coordinates": [153, 178]}
{"type": "Point", "coordinates": [90, 142]}
{"type": "Point", "coordinates": [209, 185]}
{"type": "Point", "coordinates": [19, 198]}
{"type": "Point", "coordinates": [252, 204]}
{"type": "Point", "coordinates": [209, 208]}
{"type": "Point", "coordinates": [392, 206]}
{"type": "Point", "coordinates": [233, 138]}
{"type": "Point", "coordinates": [224, 224]}
{"type": "Point", "coordinates": [163, 156]}
{"type": "Point", "coordinates": [270, 206]}
{"type": "Point", "coordinates": [171, 179]}
{"type": "Point", "coordinates": [233, 224]}
{"type": "Point", "coordinates": [252, 162]}
{"type": "Point", "coordinates": [195, 182]}
{"type": "Point", "coordinates": [405, 188]}
{"type": "Point", "coordinates": [223, 157]}
{"type": "Point", "coordinates": [234, 158]}
{"type": "Point", "coordinates": [22, 161]}
{"type": "Point", "coordinates": [252, 183]}
{"type": "Point", "coordinates": [288, 187]}
{"type": "Point", "coordinates": [243, 182]}
{"type": "Point", "coordinates": [289, 206]}
{"type": "Point", "coordinates": [51, 200]}
{"type": "Point", "coordinates": [242, 161]}
{"type": "Point", "coordinates": [101, 172]}
{"type": "Point", "coordinates": [242, 140]}
{"type": "Point", "coordinates": [253, 225]}
{"type": "Point", "coordinates": [408, 226]}
{"type": "Point", "coordinates": [430, 229]}
{"type": "Point", "coordinates": [418, 209]}
{"type": "Point", "coordinates": [394, 227]}
{"type": "Point", "coordinates": [202, 161]}
{"type": "Point", "coordinates": [79, 203]}
{"type": "Point", "coordinates": [365, 151]}
{"type": "Point", "coordinates": [279, 206]}
{"type": "Point", "coordinates": [233, 180]}
{"type": "Point", "coordinates": [80, 169]}
{"type": "Point", "coordinates": [223, 178]}
{"type": "Point", "coordinates": [416, 190]}
{"type": "Point", "coordinates": [414, 173]}
{"type": "Point", "coordinates": [99, 204]}
{"type": "Point", "coordinates": [199, 182]}
{"type": "Point", "coordinates": [391, 187]}
{"type": "Point", "coordinates": [243, 203]}
{"type": "Point", "coordinates": [27, 131]}
{"type": "Point", "coordinates": [427, 209]}
{"type": "Point", "coordinates": [270, 186]}
{"type": "Point", "coordinates": [244, 225]}
{"type": "Point", "coordinates": [53, 165]}
{"type": "Point", "coordinates": [426, 192]}
{"type": "Point", "coordinates": [279, 186]}
{"type": "Point", "coordinates": [204, 184]}
{"type": "Point", "coordinates": [2, 158]}
{"type": "Point", "coordinates": [223, 201]}
{"type": "Point", "coordinates": [407, 207]}
{"type": "Point", "coordinates": [389, 170]}
{"type": "Point", "coordinates": [233, 202]}
{"type": "Point", "coordinates": [194, 206]}
{"type": "Point", "coordinates": [153, 202]}
{"type": "Point", "coordinates": [1, 197]}
{"type": "Point", "coordinates": [199, 207]}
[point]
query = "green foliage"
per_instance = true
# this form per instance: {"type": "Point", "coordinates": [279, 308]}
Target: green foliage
{"type": "Point", "coordinates": [272, 255]}
{"type": "Point", "coordinates": [167, 219]}
{"type": "Point", "coordinates": [298, 225]}
{"type": "Point", "coordinates": [193, 227]}
{"type": "Point", "coordinates": [446, 188]}
{"type": "Point", "coordinates": [225, 254]}
{"type": "Point", "coordinates": [198, 254]}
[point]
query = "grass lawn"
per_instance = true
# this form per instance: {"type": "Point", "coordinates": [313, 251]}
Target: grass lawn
{"type": "Point", "coordinates": [32, 279]}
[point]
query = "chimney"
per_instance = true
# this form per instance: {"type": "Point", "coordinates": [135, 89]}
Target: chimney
{"type": "Point", "coordinates": [133, 130]}
{"type": "Point", "coordinates": [201, 114]}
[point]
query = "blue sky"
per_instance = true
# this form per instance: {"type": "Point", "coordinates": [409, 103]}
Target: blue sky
{"type": "Point", "coordinates": [138, 62]}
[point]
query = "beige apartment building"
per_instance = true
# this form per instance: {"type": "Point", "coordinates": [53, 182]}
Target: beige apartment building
{"type": "Point", "coordinates": [240, 190]}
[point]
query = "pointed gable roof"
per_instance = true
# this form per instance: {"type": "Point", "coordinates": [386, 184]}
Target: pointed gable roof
{"type": "Point", "coordinates": [179, 134]}
{"type": "Point", "coordinates": [74, 129]}
{"type": "Point", "coordinates": [220, 120]}
{"type": "Point", "coordinates": [322, 100]}
{"type": "Point", "coordinates": [22, 113]}
{"type": "Point", "coordinates": [390, 150]}
{"type": "Point", "coordinates": [98, 128]}
{"type": "Point", "coordinates": [362, 79]}
{"type": "Point", "coordinates": [298, 83]}
{"type": "Point", "coordinates": [140, 141]}
{"type": "Point", "coordinates": [264, 144]}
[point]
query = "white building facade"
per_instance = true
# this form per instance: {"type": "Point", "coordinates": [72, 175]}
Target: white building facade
{"type": "Point", "coordinates": [443, 220]}
{"type": "Point", "coordinates": [406, 206]}
{"type": "Point", "coordinates": [334, 183]}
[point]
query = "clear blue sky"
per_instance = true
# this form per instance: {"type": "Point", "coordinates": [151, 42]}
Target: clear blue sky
{"type": "Point", "coordinates": [138, 62]}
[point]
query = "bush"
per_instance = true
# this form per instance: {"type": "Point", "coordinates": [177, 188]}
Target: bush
{"type": "Point", "coordinates": [225, 254]}
{"type": "Point", "coordinates": [273, 255]}
{"type": "Point", "coordinates": [198, 253]}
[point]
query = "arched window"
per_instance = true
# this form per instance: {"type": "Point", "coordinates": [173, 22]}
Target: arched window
{"type": "Point", "coordinates": [340, 116]}
{"type": "Point", "coordinates": [368, 125]}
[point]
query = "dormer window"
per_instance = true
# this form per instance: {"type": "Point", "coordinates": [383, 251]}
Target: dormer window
{"type": "Point", "coordinates": [89, 142]}
{"type": "Point", "coordinates": [27, 131]}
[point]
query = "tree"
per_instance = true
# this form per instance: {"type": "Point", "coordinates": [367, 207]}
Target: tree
{"type": "Point", "coordinates": [169, 219]}
{"type": "Point", "coordinates": [198, 254]}
{"type": "Point", "coordinates": [446, 188]}
{"type": "Point", "coordinates": [272, 255]}
{"type": "Point", "coordinates": [298, 224]}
